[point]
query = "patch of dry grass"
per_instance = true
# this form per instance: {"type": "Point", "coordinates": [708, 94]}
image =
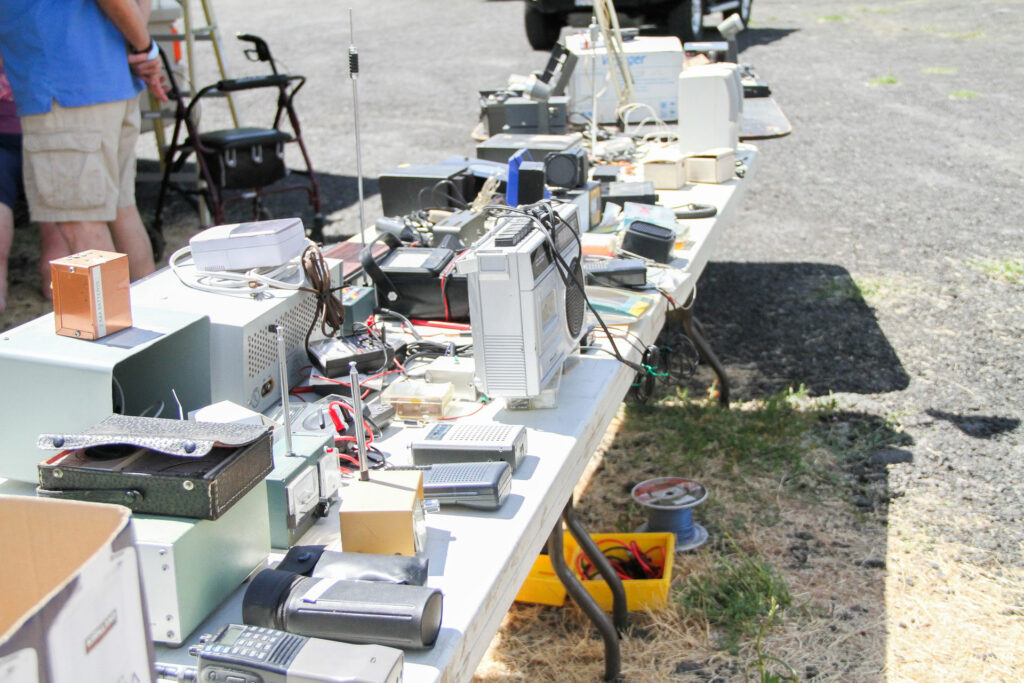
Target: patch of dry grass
{"type": "Point", "coordinates": [876, 595]}
{"type": "Point", "coordinates": [783, 510]}
{"type": "Point", "coordinates": [949, 618]}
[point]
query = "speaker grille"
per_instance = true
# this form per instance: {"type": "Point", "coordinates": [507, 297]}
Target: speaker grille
{"type": "Point", "coordinates": [478, 432]}
{"type": "Point", "coordinates": [505, 364]}
{"type": "Point", "coordinates": [575, 303]}
{"type": "Point", "coordinates": [463, 473]}
{"type": "Point", "coordinates": [262, 345]}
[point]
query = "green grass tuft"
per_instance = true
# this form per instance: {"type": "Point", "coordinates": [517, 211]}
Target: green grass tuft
{"type": "Point", "coordinates": [1009, 270]}
{"type": "Point", "coordinates": [943, 70]}
{"type": "Point", "coordinates": [770, 435]}
{"type": "Point", "coordinates": [735, 595]}
{"type": "Point", "coordinates": [834, 17]}
{"type": "Point", "coordinates": [888, 79]}
{"type": "Point", "coordinates": [969, 35]}
{"type": "Point", "coordinates": [963, 95]}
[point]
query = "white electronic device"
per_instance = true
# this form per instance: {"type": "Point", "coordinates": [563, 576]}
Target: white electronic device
{"type": "Point", "coordinates": [243, 351]}
{"type": "Point", "coordinates": [710, 106]}
{"type": "Point", "coordinates": [465, 443]}
{"type": "Point", "coordinates": [241, 246]}
{"type": "Point", "coordinates": [654, 63]}
{"type": "Point", "coordinates": [525, 319]}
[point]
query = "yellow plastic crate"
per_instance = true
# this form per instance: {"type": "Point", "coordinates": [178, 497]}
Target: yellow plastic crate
{"type": "Point", "coordinates": [542, 586]}
{"type": "Point", "coordinates": [640, 593]}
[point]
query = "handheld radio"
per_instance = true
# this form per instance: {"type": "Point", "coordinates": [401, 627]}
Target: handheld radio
{"type": "Point", "coordinates": [251, 654]}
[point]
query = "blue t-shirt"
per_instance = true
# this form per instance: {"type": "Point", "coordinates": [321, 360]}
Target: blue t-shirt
{"type": "Point", "coordinates": [63, 50]}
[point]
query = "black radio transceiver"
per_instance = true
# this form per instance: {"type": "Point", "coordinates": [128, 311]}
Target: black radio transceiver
{"type": "Point", "coordinates": [252, 654]}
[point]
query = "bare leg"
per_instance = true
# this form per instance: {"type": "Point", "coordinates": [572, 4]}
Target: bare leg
{"type": "Point", "coordinates": [6, 239]}
{"type": "Point", "coordinates": [131, 238]}
{"type": "Point", "coordinates": [52, 245]}
{"type": "Point", "coordinates": [85, 235]}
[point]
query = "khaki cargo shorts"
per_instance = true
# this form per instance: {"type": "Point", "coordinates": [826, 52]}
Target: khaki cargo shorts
{"type": "Point", "coordinates": [79, 162]}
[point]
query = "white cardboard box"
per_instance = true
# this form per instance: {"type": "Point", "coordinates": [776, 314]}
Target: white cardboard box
{"type": "Point", "coordinates": [655, 63]}
{"type": "Point", "coordinates": [71, 606]}
{"type": "Point", "coordinates": [712, 166]}
{"type": "Point", "coordinates": [665, 169]}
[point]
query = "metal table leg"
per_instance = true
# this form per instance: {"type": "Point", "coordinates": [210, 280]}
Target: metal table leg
{"type": "Point", "coordinates": [695, 331]}
{"type": "Point", "coordinates": [612, 655]}
{"type": "Point", "coordinates": [620, 614]}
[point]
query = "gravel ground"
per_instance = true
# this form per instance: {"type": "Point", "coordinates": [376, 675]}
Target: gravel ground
{"type": "Point", "coordinates": [862, 262]}
{"type": "Point", "coordinates": [899, 192]}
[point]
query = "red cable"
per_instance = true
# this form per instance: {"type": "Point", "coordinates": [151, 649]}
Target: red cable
{"type": "Point", "coordinates": [462, 327]}
{"type": "Point", "coordinates": [457, 417]}
{"type": "Point", "coordinates": [639, 556]}
{"type": "Point", "coordinates": [341, 427]}
{"type": "Point", "coordinates": [380, 374]}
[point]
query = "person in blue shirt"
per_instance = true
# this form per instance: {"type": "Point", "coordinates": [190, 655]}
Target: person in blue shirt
{"type": "Point", "coordinates": [51, 242]}
{"type": "Point", "coordinates": [76, 68]}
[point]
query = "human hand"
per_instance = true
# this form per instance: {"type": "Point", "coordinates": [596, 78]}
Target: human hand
{"type": "Point", "coordinates": [150, 71]}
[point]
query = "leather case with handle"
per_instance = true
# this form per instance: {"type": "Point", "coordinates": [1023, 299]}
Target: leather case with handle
{"type": "Point", "coordinates": [158, 466]}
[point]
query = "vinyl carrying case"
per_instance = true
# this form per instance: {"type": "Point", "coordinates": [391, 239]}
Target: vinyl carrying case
{"type": "Point", "coordinates": [158, 466]}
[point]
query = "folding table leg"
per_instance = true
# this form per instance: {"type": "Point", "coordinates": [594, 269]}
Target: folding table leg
{"type": "Point", "coordinates": [695, 331]}
{"type": "Point", "coordinates": [620, 613]}
{"type": "Point", "coordinates": [612, 655]}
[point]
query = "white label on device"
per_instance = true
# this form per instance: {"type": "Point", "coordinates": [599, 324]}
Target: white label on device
{"type": "Point", "coordinates": [97, 297]}
{"type": "Point", "coordinates": [408, 259]}
{"type": "Point", "coordinates": [318, 589]}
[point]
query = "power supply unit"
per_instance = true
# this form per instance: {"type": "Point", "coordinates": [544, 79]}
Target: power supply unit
{"type": "Point", "coordinates": [243, 351]}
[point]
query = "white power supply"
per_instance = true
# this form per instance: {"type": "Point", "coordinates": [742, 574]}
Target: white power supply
{"type": "Point", "coordinates": [241, 246]}
{"type": "Point", "coordinates": [654, 63]}
{"type": "Point", "coordinates": [243, 351]}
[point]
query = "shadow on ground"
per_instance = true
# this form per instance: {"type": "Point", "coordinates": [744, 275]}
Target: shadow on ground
{"type": "Point", "coordinates": [978, 426]}
{"type": "Point", "coordinates": [779, 325]}
{"type": "Point", "coordinates": [761, 36]}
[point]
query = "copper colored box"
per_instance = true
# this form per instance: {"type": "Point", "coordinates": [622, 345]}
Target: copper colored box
{"type": "Point", "coordinates": [91, 294]}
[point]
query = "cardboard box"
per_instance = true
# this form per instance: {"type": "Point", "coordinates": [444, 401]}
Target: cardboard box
{"type": "Point", "coordinates": [91, 294]}
{"type": "Point", "coordinates": [383, 515]}
{"type": "Point", "coordinates": [712, 166]}
{"type": "Point", "coordinates": [70, 597]}
{"type": "Point", "coordinates": [666, 174]}
{"type": "Point", "coordinates": [665, 170]}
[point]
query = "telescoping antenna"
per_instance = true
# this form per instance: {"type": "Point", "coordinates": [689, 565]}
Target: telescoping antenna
{"type": "Point", "coordinates": [353, 72]}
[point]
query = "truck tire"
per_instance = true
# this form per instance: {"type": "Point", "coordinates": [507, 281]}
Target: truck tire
{"type": "Point", "coordinates": [743, 11]}
{"type": "Point", "coordinates": [686, 20]}
{"type": "Point", "coordinates": [542, 30]}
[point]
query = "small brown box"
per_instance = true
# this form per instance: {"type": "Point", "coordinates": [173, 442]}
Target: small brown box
{"type": "Point", "coordinates": [91, 294]}
{"type": "Point", "coordinates": [383, 515]}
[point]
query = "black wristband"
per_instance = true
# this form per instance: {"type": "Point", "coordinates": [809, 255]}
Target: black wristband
{"type": "Point", "coordinates": [144, 50]}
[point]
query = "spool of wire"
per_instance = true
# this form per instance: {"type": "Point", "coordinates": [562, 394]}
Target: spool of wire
{"type": "Point", "coordinates": [669, 502]}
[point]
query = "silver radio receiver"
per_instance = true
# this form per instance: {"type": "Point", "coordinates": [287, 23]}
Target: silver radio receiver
{"type": "Point", "coordinates": [527, 306]}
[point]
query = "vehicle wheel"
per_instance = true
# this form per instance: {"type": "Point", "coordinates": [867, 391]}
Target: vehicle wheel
{"type": "Point", "coordinates": [686, 20]}
{"type": "Point", "coordinates": [743, 11]}
{"type": "Point", "coordinates": [542, 30]}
